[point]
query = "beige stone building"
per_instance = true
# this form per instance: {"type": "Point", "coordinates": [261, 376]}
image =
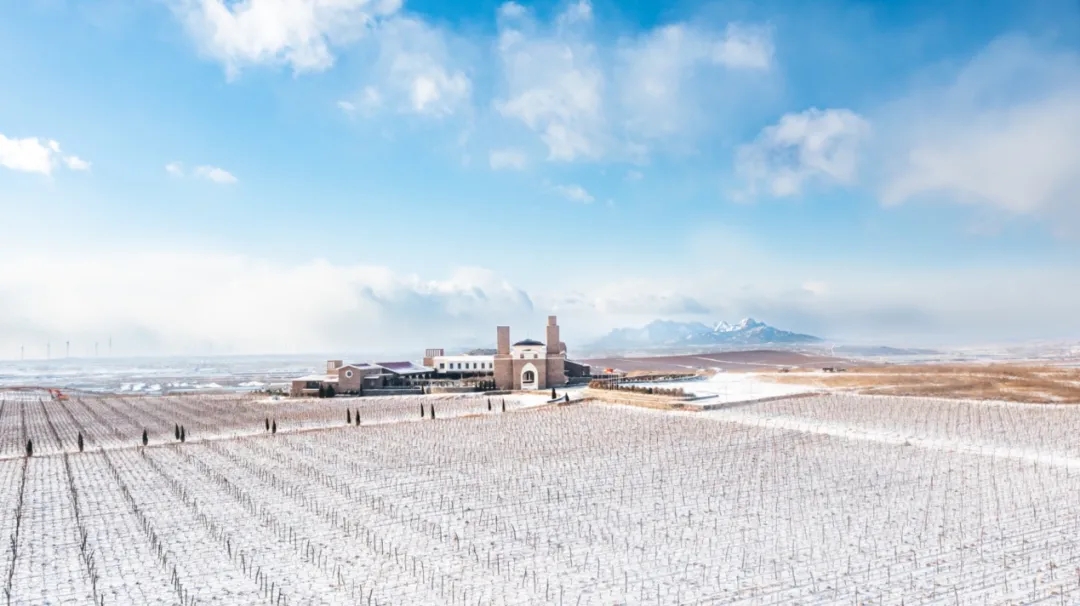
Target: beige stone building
{"type": "Point", "coordinates": [530, 364]}
{"type": "Point", "coordinates": [344, 378]}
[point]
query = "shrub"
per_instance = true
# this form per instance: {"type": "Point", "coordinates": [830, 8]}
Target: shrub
{"type": "Point", "coordinates": [330, 391]}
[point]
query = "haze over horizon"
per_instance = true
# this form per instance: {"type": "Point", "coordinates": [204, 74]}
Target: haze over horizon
{"type": "Point", "coordinates": [307, 176]}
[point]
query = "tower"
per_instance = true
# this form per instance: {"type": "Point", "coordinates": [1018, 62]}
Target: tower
{"type": "Point", "coordinates": [555, 354]}
{"type": "Point", "coordinates": [504, 364]}
{"type": "Point", "coordinates": [552, 335]}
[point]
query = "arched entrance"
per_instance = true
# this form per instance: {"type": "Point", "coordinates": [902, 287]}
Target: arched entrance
{"type": "Point", "coordinates": [529, 377]}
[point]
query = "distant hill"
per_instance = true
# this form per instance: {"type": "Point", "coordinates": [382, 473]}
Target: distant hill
{"type": "Point", "coordinates": [661, 335]}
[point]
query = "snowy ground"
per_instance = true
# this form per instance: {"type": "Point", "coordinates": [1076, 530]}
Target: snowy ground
{"type": "Point", "coordinates": [726, 387]}
{"type": "Point", "coordinates": [826, 499]}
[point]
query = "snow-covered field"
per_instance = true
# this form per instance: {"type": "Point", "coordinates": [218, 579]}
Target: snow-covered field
{"type": "Point", "coordinates": [726, 387]}
{"type": "Point", "coordinates": [827, 499]}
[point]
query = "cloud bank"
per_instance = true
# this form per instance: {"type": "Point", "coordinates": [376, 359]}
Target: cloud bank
{"type": "Point", "coordinates": [35, 155]}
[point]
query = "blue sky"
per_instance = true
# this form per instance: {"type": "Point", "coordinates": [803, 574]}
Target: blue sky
{"type": "Point", "coordinates": [313, 175]}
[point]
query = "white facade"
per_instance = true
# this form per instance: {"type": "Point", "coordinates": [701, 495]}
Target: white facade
{"type": "Point", "coordinates": [463, 364]}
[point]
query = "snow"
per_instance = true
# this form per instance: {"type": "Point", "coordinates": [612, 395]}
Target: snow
{"type": "Point", "coordinates": [734, 387]}
{"type": "Point", "coordinates": [826, 498]}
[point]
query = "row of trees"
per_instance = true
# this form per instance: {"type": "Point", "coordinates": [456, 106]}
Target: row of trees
{"type": "Point", "coordinates": [179, 432]}
{"type": "Point", "coordinates": [652, 391]}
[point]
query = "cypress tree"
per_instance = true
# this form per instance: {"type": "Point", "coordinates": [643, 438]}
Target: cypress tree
{"type": "Point", "coordinates": [176, 431]}
{"type": "Point", "coordinates": [489, 404]}
{"type": "Point", "coordinates": [322, 391]}
{"type": "Point", "coordinates": [267, 423]}
{"type": "Point", "coordinates": [553, 396]}
{"type": "Point", "coordinates": [432, 411]}
{"type": "Point", "coordinates": [348, 417]}
{"type": "Point", "coordinates": [356, 416]}
{"type": "Point", "coordinates": [273, 428]}
{"type": "Point", "coordinates": [29, 448]}
{"type": "Point", "coordinates": [145, 439]}
{"type": "Point", "coordinates": [421, 410]}
{"type": "Point", "coordinates": [504, 404]}
{"type": "Point", "coordinates": [183, 434]}
{"type": "Point", "coordinates": [80, 442]}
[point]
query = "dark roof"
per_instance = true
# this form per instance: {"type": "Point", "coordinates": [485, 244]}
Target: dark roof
{"type": "Point", "coordinates": [528, 342]}
{"type": "Point", "coordinates": [401, 368]}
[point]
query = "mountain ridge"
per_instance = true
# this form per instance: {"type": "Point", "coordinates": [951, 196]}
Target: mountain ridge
{"type": "Point", "coordinates": [670, 334]}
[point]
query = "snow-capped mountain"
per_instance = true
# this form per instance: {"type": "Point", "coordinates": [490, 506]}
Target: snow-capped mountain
{"type": "Point", "coordinates": [666, 334]}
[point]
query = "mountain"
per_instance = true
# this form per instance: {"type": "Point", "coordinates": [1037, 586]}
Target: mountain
{"type": "Point", "coordinates": [667, 335]}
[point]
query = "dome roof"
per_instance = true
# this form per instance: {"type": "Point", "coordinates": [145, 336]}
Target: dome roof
{"type": "Point", "coordinates": [528, 343]}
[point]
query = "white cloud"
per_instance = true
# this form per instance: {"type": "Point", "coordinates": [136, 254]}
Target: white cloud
{"type": "Point", "coordinates": [210, 173]}
{"type": "Point", "coordinates": [575, 193]}
{"type": "Point", "coordinates": [175, 169]}
{"type": "Point", "coordinates": [813, 145]}
{"type": "Point", "coordinates": [743, 47]}
{"type": "Point", "coordinates": [575, 13]}
{"type": "Point", "coordinates": [415, 71]}
{"type": "Point", "coordinates": [668, 76]}
{"type": "Point", "coordinates": [634, 175]}
{"type": "Point", "coordinates": [507, 159]}
{"type": "Point", "coordinates": [587, 101]}
{"type": "Point", "coordinates": [35, 155]}
{"type": "Point", "coordinates": [511, 10]}
{"type": "Point", "coordinates": [367, 102]}
{"type": "Point", "coordinates": [163, 302]}
{"type": "Point", "coordinates": [1004, 132]}
{"type": "Point", "coordinates": [299, 33]}
{"type": "Point", "coordinates": [215, 174]}
{"type": "Point", "coordinates": [554, 84]}
{"type": "Point", "coordinates": [76, 163]}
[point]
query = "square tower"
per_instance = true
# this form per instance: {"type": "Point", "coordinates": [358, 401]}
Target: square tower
{"type": "Point", "coordinates": [504, 364]}
{"type": "Point", "coordinates": [552, 335]}
{"type": "Point", "coordinates": [503, 340]}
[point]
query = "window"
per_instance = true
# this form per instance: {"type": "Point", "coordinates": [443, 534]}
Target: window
{"type": "Point", "coordinates": [535, 356]}
{"type": "Point", "coordinates": [348, 374]}
{"type": "Point", "coordinates": [442, 365]}
{"type": "Point", "coordinates": [528, 377]}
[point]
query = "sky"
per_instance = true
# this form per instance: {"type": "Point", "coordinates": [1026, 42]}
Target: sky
{"type": "Point", "coordinates": [301, 176]}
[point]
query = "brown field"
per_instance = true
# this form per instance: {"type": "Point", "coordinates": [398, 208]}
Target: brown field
{"type": "Point", "coordinates": [1009, 382]}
